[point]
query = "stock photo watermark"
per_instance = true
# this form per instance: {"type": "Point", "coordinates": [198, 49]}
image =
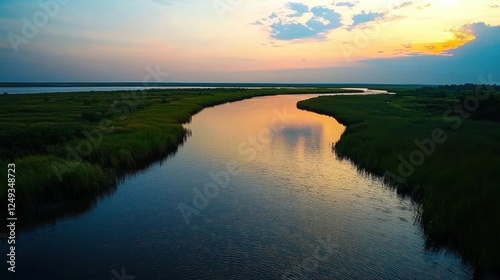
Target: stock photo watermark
{"type": "Point", "coordinates": [11, 217]}
{"type": "Point", "coordinates": [124, 106]}
{"type": "Point", "coordinates": [121, 276]}
{"type": "Point", "coordinates": [304, 270]}
{"type": "Point", "coordinates": [365, 35]}
{"type": "Point", "coordinates": [221, 179]}
{"type": "Point", "coordinates": [32, 26]}
{"type": "Point", "coordinates": [222, 7]}
{"type": "Point", "coordinates": [456, 115]}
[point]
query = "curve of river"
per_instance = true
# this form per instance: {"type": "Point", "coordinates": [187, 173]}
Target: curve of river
{"type": "Point", "coordinates": [265, 198]}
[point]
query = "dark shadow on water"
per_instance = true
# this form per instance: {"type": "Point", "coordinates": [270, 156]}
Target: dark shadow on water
{"type": "Point", "coordinates": [432, 244]}
{"type": "Point", "coordinates": [57, 207]}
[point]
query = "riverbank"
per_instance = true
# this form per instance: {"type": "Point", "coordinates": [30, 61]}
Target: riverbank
{"type": "Point", "coordinates": [67, 146]}
{"type": "Point", "coordinates": [440, 146]}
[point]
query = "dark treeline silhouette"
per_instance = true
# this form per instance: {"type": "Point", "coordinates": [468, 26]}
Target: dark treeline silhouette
{"type": "Point", "coordinates": [487, 108]}
{"type": "Point", "coordinates": [468, 86]}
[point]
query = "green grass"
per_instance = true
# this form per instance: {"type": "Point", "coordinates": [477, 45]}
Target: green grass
{"type": "Point", "coordinates": [458, 185]}
{"type": "Point", "coordinates": [73, 145]}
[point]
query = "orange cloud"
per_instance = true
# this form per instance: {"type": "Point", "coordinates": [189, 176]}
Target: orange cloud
{"type": "Point", "coordinates": [461, 37]}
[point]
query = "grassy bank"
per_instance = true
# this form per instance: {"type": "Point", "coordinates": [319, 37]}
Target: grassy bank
{"type": "Point", "coordinates": [448, 161]}
{"type": "Point", "coordinates": [72, 145]}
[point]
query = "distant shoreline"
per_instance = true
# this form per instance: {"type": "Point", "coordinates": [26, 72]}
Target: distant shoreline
{"type": "Point", "coordinates": [201, 84]}
{"type": "Point", "coordinates": [75, 87]}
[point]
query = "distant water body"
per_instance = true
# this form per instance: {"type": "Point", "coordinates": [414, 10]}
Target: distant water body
{"type": "Point", "coordinates": [33, 90]}
{"type": "Point", "coordinates": [71, 89]}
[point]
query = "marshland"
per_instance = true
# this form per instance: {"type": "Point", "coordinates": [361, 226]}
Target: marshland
{"type": "Point", "coordinates": [127, 161]}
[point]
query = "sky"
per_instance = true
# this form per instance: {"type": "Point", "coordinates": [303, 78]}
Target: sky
{"type": "Point", "coordinates": [316, 41]}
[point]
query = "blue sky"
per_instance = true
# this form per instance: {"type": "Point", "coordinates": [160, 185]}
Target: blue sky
{"type": "Point", "coordinates": [442, 41]}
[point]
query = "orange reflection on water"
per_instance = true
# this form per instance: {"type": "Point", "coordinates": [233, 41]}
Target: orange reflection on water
{"type": "Point", "coordinates": [271, 133]}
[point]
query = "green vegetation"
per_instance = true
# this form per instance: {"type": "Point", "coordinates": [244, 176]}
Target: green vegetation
{"type": "Point", "coordinates": [72, 145]}
{"type": "Point", "coordinates": [438, 146]}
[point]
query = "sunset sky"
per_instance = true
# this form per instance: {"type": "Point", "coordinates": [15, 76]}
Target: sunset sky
{"type": "Point", "coordinates": [422, 41]}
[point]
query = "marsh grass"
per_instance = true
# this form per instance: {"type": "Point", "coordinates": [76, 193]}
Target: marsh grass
{"type": "Point", "coordinates": [457, 186]}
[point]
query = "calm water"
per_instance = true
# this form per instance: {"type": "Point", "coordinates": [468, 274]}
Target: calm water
{"type": "Point", "coordinates": [292, 210]}
{"type": "Point", "coordinates": [32, 90]}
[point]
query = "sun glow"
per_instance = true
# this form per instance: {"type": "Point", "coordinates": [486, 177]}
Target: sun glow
{"type": "Point", "coordinates": [448, 3]}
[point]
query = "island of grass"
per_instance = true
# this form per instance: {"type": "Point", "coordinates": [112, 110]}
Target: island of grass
{"type": "Point", "coordinates": [70, 146]}
{"type": "Point", "coordinates": [442, 146]}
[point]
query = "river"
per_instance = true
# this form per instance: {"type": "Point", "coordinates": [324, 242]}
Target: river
{"type": "Point", "coordinates": [255, 192]}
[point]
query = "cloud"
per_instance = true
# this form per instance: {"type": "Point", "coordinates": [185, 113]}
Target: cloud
{"type": "Point", "coordinates": [291, 31]}
{"type": "Point", "coordinates": [471, 62]}
{"type": "Point", "coordinates": [257, 22]}
{"type": "Point", "coordinates": [461, 36]}
{"type": "Point", "coordinates": [487, 40]}
{"type": "Point", "coordinates": [326, 13]}
{"type": "Point", "coordinates": [327, 18]}
{"type": "Point", "coordinates": [365, 17]}
{"type": "Point", "coordinates": [403, 5]}
{"type": "Point", "coordinates": [423, 6]}
{"type": "Point", "coordinates": [313, 23]}
{"type": "Point", "coordinates": [345, 4]}
{"type": "Point", "coordinates": [299, 9]}
{"type": "Point", "coordinates": [466, 63]}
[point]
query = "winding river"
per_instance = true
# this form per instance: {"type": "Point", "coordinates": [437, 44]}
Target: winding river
{"type": "Point", "coordinates": [255, 192]}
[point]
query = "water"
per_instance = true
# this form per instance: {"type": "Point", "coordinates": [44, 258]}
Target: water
{"type": "Point", "coordinates": [33, 90]}
{"type": "Point", "coordinates": [69, 89]}
{"type": "Point", "coordinates": [292, 210]}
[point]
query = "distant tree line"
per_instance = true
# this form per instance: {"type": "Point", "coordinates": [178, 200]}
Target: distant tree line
{"type": "Point", "coordinates": [467, 86]}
